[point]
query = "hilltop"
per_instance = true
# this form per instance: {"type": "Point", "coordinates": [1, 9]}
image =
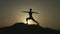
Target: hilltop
{"type": "Point", "coordinates": [19, 28]}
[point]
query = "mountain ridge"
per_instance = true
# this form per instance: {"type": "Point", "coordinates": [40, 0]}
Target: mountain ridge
{"type": "Point", "coordinates": [25, 28]}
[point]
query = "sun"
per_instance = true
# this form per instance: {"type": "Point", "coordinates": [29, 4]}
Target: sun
{"type": "Point", "coordinates": [30, 22]}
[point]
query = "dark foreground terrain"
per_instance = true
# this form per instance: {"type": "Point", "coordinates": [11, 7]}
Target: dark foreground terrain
{"type": "Point", "coordinates": [21, 28]}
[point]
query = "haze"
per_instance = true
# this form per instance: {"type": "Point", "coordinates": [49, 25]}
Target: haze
{"type": "Point", "coordinates": [10, 12]}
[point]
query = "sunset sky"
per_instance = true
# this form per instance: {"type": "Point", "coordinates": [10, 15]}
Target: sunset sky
{"type": "Point", "coordinates": [49, 12]}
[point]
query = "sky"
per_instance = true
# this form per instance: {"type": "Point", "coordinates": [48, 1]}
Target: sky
{"type": "Point", "coordinates": [49, 12]}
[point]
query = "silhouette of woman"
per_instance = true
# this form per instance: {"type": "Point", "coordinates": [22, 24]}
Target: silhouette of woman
{"type": "Point", "coordinates": [30, 16]}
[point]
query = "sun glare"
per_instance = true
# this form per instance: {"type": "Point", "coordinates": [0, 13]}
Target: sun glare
{"type": "Point", "coordinates": [30, 22]}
